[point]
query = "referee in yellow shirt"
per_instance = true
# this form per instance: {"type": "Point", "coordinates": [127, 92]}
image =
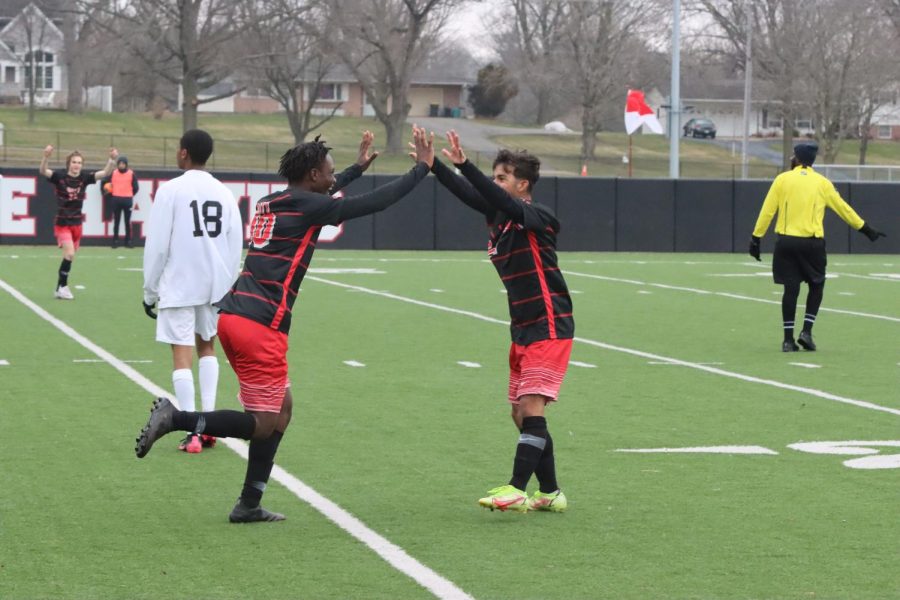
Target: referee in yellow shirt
{"type": "Point", "coordinates": [800, 196]}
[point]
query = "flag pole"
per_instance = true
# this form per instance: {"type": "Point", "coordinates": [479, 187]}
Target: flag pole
{"type": "Point", "coordinates": [629, 154]}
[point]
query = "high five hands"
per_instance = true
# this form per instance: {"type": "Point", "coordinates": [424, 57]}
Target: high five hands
{"type": "Point", "coordinates": [423, 143]}
{"type": "Point", "coordinates": [364, 159]}
{"type": "Point", "coordinates": [455, 154]}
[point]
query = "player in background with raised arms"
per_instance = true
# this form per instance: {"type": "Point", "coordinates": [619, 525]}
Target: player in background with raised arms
{"type": "Point", "coordinates": [69, 185]}
{"type": "Point", "coordinates": [256, 312]}
{"type": "Point", "coordinates": [800, 196]}
{"type": "Point", "coordinates": [522, 247]}
{"type": "Point", "coordinates": [191, 259]}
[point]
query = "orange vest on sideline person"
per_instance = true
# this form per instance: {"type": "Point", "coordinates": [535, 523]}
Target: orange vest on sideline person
{"type": "Point", "coordinates": [121, 183]}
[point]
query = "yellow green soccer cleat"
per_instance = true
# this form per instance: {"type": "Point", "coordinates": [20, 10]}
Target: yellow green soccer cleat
{"type": "Point", "coordinates": [552, 502]}
{"type": "Point", "coordinates": [504, 498]}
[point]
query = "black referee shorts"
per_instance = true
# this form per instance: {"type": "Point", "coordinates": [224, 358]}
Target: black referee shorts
{"type": "Point", "coordinates": [799, 259]}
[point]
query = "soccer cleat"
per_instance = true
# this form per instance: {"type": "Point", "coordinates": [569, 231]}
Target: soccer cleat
{"type": "Point", "coordinates": [552, 502]}
{"type": "Point", "coordinates": [244, 514]}
{"type": "Point", "coordinates": [159, 424]}
{"type": "Point", "coordinates": [805, 340]}
{"type": "Point", "coordinates": [207, 441]}
{"type": "Point", "coordinates": [504, 498]}
{"type": "Point", "coordinates": [191, 444]}
{"type": "Point", "coordinates": [789, 346]}
{"type": "Point", "coordinates": [63, 293]}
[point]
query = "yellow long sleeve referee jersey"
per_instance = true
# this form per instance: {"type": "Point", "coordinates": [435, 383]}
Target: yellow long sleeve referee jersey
{"type": "Point", "coordinates": [800, 196]}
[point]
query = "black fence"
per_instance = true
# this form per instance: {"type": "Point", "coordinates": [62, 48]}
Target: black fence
{"type": "Point", "coordinates": [596, 214]}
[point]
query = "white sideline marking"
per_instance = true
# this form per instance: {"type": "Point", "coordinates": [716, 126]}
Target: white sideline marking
{"type": "Point", "coordinates": [839, 294]}
{"type": "Point", "coordinates": [644, 292]}
{"type": "Point", "coordinates": [138, 269]}
{"type": "Point", "coordinates": [806, 365]}
{"type": "Point", "coordinates": [663, 362]}
{"type": "Point", "coordinates": [758, 274]}
{"type": "Point", "coordinates": [390, 552]}
{"type": "Point", "coordinates": [702, 450]}
{"type": "Point", "coordinates": [471, 365]}
{"type": "Point", "coordinates": [97, 360]}
{"type": "Point", "coordinates": [327, 271]}
{"type": "Point", "coordinates": [4, 363]}
{"type": "Point", "coordinates": [353, 363]}
{"type": "Point", "coordinates": [640, 353]}
{"type": "Point", "coordinates": [724, 294]}
{"type": "Point", "coordinates": [436, 291]}
{"type": "Point", "coordinates": [79, 287]}
{"type": "Point", "coordinates": [578, 363]}
{"type": "Point", "coordinates": [888, 276]}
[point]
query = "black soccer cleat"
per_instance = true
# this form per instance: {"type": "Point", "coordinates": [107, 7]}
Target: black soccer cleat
{"type": "Point", "coordinates": [789, 346]}
{"type": "Point", "coordinates": [159, 424]}
{"type": "Point", "coordinates": [243, 514]}
{"type": "Point", "coordinates": [805, 340]}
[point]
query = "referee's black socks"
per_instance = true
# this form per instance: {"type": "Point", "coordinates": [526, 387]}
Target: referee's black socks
{"type": "Point", "coordinates": [532, 442]}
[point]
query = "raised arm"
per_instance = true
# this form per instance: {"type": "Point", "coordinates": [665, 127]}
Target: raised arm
{"type": "Point", "coordinates": [461, 188]}
{"type": "Point", "coordinates": [44, 170]}
{"type": "Point", "coordinates": [363, 160]}
{"type": "Point", "coordinates": [382, 197]}
{"type": "Point", "coordinates": [110, 165]}
{"type": "Point", "coordinates": [493, 195]}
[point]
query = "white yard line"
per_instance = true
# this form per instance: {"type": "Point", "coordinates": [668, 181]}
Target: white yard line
{"type": "Point", "coordinates": [648, 355]}
{"type": "Point", "coordinates": [724, 295]}
{"type": "Point", "coordinates": [390, 552]}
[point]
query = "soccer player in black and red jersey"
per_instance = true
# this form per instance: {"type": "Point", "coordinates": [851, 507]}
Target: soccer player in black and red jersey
{"type": "Point", "coordinates": [69, 185]}
{"type": "Point", "coordinates": [522, 247]}
{"type": "Point", "coordinates": [256, 314]}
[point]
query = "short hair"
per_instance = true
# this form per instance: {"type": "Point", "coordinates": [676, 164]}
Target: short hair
{"type": "Point", "coordinates": [73, 155]}
{"type": "Point", "coordinates": [303, 158]}
{"type": "Point", "coordinates": [525, 166]}
{"type": "Point", "coordinates": [805, 153]}
{"type": "Point", "coordinates": [199, 145]}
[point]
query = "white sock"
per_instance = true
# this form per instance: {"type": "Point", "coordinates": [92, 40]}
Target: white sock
{"type": "Point", "coordinates": [183, 382]}
{"type": "Point", "coordinates": [209, 381]}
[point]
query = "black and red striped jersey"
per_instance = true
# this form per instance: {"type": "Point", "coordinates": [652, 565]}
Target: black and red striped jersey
{"type": "Point", "coordinates": [70, 192]}
{"type": "Point", "coordinates": [522, 247]}
{"type": "Point", "coordinates": [283, 235]}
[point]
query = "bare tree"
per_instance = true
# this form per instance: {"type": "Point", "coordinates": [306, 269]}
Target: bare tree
{"type": "Point", "coordinates": [382, 42]}
{"type": "Point", "coordinates": [191, 42]}
{"type": "Point", "coordinates": [532, 47]}
{"type": "Point", "coordinates": [782, 44]}
{"type": "Point", "coordinates": [604, 38]}
{"type": "Point", "coordinates": [33, 32]}
{"type": "Point", "coordinates": [287, 56]}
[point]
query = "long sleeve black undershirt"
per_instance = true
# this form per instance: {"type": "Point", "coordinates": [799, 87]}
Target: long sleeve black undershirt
{"type": "Point", "coordinates": [381, 197]}
{"type": "Point", "coordinates": [345, 177]}
{"type": "Point", "coordinates": [461, 188]}
{"type": "Point", "coordinates": [495, 196]}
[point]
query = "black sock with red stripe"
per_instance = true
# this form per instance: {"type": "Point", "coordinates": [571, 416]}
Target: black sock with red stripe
{"type": "Point", "coordinates": [260, 461]}
{"type": "Point", "coordinates": [546, 468]}
{"type": "Point", "coordinates": [217, 423]}
{"type": "Point", "coordinates": [532, 442]}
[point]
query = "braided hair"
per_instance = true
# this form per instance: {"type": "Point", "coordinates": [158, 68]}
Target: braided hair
{"type": "Point", "coordinates": [303, 158]}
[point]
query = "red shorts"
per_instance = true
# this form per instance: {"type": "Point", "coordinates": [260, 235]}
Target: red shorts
{"type": "Point", "coordinates": [538, 368]}
{"type": "Point", "coordinates": [67, 233]}
{"type": "Point", "coordinates": [258, 355]}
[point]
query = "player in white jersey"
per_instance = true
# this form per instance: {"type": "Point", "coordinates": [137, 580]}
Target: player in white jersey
{"type": "Point", "coordinates": [191, 259]}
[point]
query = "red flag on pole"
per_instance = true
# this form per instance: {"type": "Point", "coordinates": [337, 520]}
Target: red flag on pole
{"type": "Point", "coordinates": [637, 113]}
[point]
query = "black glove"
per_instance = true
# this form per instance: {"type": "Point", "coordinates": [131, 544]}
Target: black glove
{"type": "Point", "coordinates": [148, 308]}
{"type": "Point", "coordinates": [754, 247]}
{"type": "Point", "coordinates": [872, 234]}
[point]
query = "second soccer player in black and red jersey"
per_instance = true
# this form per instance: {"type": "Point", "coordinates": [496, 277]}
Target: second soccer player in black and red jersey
{"type": "Point", "coordinates": [522, 247]}
{"type": "Point", "coordinates": [256, 314]}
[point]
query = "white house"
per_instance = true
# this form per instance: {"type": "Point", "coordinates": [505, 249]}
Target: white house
{"type": "Point", "coordinates": [31, 38]}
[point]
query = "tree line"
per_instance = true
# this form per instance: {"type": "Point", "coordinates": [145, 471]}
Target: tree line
{"type": "Point", "coordinates": [549, 59]}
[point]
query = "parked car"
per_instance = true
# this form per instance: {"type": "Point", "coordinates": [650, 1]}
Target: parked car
{"type": "Point", "coordinates": [700, 128]}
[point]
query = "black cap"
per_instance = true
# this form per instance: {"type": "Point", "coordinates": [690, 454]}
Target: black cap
{"type": "Point", "coordinates": [122, 158]}
{"type": "Point", "coordinates": [805, 152]}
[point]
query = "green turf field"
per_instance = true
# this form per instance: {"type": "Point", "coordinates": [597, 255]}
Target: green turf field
{"type": "Point", "coordinates": [673, 351]}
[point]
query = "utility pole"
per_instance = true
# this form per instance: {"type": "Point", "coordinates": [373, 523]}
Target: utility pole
{"type": "Point", "coordinates": [675, 99]}
{"type": "Point", "coordinates": [748, 84]}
